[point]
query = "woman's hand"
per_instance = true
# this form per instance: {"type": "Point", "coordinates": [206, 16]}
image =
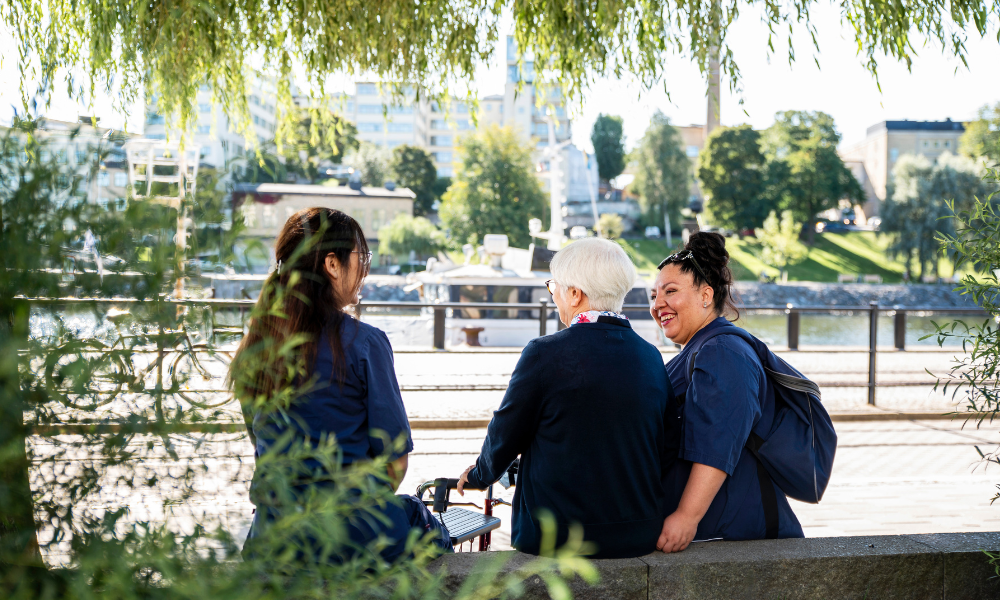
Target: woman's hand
{"type": "Point", "coordinates": [680, 528]}
{"type": "Point", "coordinates": [678, 531]}
{"type": "Point", "coordinates": [464, 479]}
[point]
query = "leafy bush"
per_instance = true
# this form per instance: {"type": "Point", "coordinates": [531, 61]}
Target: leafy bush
{"type": "Point", "coordinates": [405, 234]}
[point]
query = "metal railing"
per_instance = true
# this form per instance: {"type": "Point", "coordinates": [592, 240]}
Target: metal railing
{"type": "Point", "coordinates": [547, 310]}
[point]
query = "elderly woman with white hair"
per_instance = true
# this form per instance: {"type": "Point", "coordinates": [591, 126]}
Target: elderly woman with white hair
{"type": "Point", "coordinates": [584, 410]}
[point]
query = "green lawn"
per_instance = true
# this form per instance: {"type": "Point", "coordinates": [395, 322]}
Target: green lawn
{"type": "Point", "coordinates": [833, 254]}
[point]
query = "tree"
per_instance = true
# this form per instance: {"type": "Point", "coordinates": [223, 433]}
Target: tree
{"type": "Point", "coordinates": [173, 49]}
{"type": "Point", "coordinates": [407, 234]}
{"type": "Point", "coordinates": [609, 146]}
{"type": "Point", "coordinates": [495, 189]}
{"type": "Point", "coordinates": [817, 178]}
{"type": "Point", "coordinates": [780, 241]}
{"type": "Point", "coordinates": [611, 226]}
{"type": "Point", "coordinates": [373, 163]}
{"type": "Point", "coordinates": [740, 185]}
{"type": "Point", "coordinates": [314, 139]}
{"type": "Point", "coordinates": [981, 139]}
{"type": "Point", "coordinates": [917, 205]}
{"type": "Point", "coordinates": [412, 168]}
{"type": "Point", "coordinates": [663, 173]}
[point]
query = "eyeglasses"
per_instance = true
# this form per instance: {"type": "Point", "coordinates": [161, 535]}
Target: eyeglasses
{"type": "Point", "coordinates": [677, 257]}
{"type": "Point", "coordinates": [364, 257]}
{"type": "Point", "coordinates": [548, 285]}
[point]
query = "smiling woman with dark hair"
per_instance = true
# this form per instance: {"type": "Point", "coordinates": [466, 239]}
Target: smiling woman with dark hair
{"type": "Point", "coordinates": [715, 488]}
{"type": "Point", "coordinates": [339, 381]}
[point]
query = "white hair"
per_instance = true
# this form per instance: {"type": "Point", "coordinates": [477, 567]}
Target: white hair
{"type": "Point", "coordinates": [597, 267]}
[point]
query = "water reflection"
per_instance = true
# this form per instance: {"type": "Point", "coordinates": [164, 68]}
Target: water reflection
{"type": "Point", "coordinates": [845, 329]}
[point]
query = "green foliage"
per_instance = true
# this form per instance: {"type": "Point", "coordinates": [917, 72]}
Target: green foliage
{"type": "Point", "coordinates": [494, 191]}
{"type": "Point", "coordinates": [741, 186]}
{"type": "Point", "coordinates": [609, 146]}
{"type": "Point", "coordinates": [780, 244]}
{"type": "Point", "coordinates": [611, 226]}
{"type": "Point", "coordinates": [976, 243]}
{"type": "Point", "coordinates": [315, 138]}
{"type": "Point", "coordinates": [916, 207]}
{"type": "Point", "coordinates": [663, 172]}
{"type": "Point", "coordinates": [111, 447]}
{"type": "Point", "coordinates": [171, 49]}
{"type": "Point", "coordinates": [373, 162]}
{"type": "Point", "coordinates": [981, 139]}
{"type": "Point", "coordinates": [412, 168]}
{"type": "Point", "coordinates": [405, 234]}
{"type": "Point", "coordinates": [816, 178]}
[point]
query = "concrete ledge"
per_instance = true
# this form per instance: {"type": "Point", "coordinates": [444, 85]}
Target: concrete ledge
{"type": "Point", "coordinates": [946, 566]}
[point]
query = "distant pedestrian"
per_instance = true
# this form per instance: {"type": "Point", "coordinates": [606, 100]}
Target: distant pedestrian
{"type": "Point", "coordinates": [713, 488]}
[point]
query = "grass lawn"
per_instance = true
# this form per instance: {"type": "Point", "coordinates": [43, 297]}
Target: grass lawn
{"type": "Point", "coordinates": [833, 254]}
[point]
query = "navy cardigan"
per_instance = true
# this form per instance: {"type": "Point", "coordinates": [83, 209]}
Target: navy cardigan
{"type": "Point", "coordinates": [585, 410]}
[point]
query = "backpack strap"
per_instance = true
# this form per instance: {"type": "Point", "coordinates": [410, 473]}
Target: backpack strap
{"type": "Point", "coordinates": [768, 498]}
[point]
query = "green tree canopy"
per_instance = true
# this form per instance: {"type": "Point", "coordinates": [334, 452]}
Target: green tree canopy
{"type": "Point", "coordinates": [372, 161]}
{"type": "Point", "coordinates": [412, 168]}
{"type": "Point", "coordinates": [663, 172]}
{"type": "Point", "coordinates": [817, 178]}
{"type": "Point", "coordinates": [405, 234]}
{"type": "Point", "coordinates": [919, 199]}
{"type": "Point", "coordinates": [780, 245]}
{"type": "Point", "coordinates": [982, 135]}
{"type": "Point", "coordinates": [172, 48]}
{"type": "Point", "coordinates": [741, 186]}
{"type": "Point", "coordinates": [609, 146]}
{"type": "Point", "coordinates": [494, 190]}
{"type": "Point", "coordinates": [313, 139]}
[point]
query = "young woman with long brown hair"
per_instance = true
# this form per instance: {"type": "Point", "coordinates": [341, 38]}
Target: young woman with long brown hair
{"type": "Point", "coordinates": [339, 377]}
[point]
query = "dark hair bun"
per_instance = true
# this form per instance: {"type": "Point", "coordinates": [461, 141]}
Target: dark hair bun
{"type": "Point", "coordinates": [708, 249]}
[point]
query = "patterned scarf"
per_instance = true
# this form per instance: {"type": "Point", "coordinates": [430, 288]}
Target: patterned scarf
{"type": "Point", "coordinates": [591, 316]}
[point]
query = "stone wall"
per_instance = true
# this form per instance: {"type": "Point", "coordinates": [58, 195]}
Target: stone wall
{"type": "Point", "coordinates": [946, 566]}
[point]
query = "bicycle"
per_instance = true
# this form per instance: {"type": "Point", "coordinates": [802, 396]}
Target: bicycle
{"type": "Point", "coordinates": [99, 372]}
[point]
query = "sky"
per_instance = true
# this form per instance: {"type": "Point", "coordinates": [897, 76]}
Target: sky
{"type": "Point", "coordinates": [938, 86]}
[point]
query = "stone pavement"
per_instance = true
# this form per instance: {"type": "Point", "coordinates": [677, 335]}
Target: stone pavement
{"type": "Point", "coordinates": [891, 477]}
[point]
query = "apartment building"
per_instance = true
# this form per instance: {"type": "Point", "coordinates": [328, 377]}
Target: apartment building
{"type": "Point", "coordinates": [873, 158]}
{"type": "Point", "coordinates": [215, 134]}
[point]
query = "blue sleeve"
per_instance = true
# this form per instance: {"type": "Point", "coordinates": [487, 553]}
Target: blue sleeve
{"type": "Point", "coordinates": [721, 405]}
{"type": "Point", "coordinates": [513, 424]}
{"type": "Point", "coordinates": [387, 420]}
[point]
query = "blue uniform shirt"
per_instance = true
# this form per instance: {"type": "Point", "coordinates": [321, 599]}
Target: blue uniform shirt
{"type": "Point", "coordinates": [717, 405]}
{"type": "Point", "coordinates": [364, 413]}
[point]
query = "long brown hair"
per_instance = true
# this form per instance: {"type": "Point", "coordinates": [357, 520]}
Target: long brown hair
{"type": "Point", "coordinates": [296, 304]}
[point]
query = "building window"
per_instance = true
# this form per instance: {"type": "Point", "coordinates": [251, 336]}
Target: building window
{"type": "Point", "coordinates": [81, 156]}
{"type": "Point", "coordinates": [937, 144]}
{"type": "Point", "coordinates": [349, 107]}
{"type": "Point", "coordinates": [925, 143]}
{"type": "Point", "coordinates": [692, 151]}
{"type": "Point", "coordinates": [378, 218]}
{"type": "Point", "coordinates": [463, 124]}
{"type": "Point", "coordinates": [367, 89]}
{"type": "Point", "coordinates": [489, 108]}
{"type": "Point", "coordinates": [893, 154]}
{"type": "Point", "coordinates": [360, 215]}
{"type": "Point", "coordinates": [205, 129]}
{"type": "Point", "coordinates": [540, 129]}
{"type": "Point", "coordinates": [461, 108]}
{"type": "Point", "coordinates": [442, 157]}
{"type": "Point", "coordinates": [154, 119]}
{"type": "Point", "coordinates": [121, 179]}
{"type": "Point", "coordinates": [512, 74]}
{"type": "Point", "coordinates": [369, 127]}
{"type": "Point", "coordinates": [267, 217]}
{"type": "Point", "coordinates": [370, 109]}
{"type": "Point", "coordinates": [511, 48]}
{"type": "Point", "coordinates": [441, 140]}
{"type": "Point", "coordinates": [445, 171]}
{"type": "Point", "coordinates": [249, 215]}
{"type": "Point", "coordinates": [122, 204]}
{"type": "Point", "coordinates": [439, 124]}
{"type": "Point", "coordinates": [204, 108]}
{"type": "Point", "coordinates": [103, 178]}
{"type": "Point", "coordinates": [520, 110]}
{"type": "Point", "coordinates": [947, 143]}
{"type": "Point", "coordinates": [400, 110]}
{"type": "Point", "coordinates": [400, 127]}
